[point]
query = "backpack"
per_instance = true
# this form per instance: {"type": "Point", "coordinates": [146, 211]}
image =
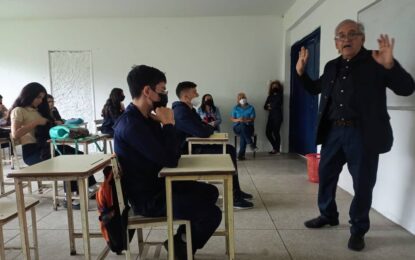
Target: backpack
{"type": "Point", "coordinates": [113, 224]}
{"type": "Point", "coordinates": [73, 132]}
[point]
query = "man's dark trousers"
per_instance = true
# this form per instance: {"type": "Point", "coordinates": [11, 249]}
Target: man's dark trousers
{"type": "Point", "coordinates": [344, 144]}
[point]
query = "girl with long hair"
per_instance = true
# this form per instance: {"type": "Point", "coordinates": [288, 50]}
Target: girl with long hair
{"type": "Point", "coordinates": [112, 109]}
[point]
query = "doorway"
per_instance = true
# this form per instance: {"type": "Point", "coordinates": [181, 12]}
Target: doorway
{"type": "Point", "coordinates": [303, 106]}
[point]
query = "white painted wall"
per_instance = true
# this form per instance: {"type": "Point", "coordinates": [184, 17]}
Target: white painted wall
{"type": "Point", "coordinates": [394, 193]}
{"type": "Point", "coordinates": [223, 55]}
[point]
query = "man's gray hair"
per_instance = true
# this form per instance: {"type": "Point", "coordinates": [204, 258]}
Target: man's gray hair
{"type": "Point", "coordinates": [360, 26]}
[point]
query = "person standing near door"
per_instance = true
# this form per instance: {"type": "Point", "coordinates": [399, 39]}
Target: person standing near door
{"type": "Point", "coordinates": [273, 105]}
{"type": "Point", "coordinates": [353, 123]}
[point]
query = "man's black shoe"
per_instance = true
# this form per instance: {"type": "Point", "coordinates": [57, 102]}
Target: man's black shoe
{"type": "Point", "coordinates": [356, 243]}
{"type": "Point", "coordinates": [240, 203]}
{"type": "Point", "coordinates": [245, 195]}
{"type": "Point", "coordinates": [180, 248]}
{"type": "Point", "coordinates": [320, 222]}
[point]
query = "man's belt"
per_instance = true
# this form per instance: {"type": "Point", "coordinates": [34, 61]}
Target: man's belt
{"type": "Point", "coordinates": [342, 122]}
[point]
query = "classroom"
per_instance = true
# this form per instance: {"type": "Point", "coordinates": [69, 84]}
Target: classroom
{"type": "Point", "coordinates": [235, 50]}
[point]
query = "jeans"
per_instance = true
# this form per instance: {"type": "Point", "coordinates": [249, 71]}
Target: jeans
{"type": "Point", "coordinates": [245, 133]}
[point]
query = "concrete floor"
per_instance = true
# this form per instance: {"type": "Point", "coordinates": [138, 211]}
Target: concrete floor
{"type": "Point", "coordinates": [274, 229]}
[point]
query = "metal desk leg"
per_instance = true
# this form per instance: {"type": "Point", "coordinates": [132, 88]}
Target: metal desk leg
{"type": "Point", "coordinates": [229, 225]}
{"type": "Point", "coordinates": [24, 236]}
{"type": "Point", "coordinates": [84, 216]}
{"type": "Point", "coordinates": [69, 212]}
{"type": "Point", "coordinates": [1, 177]}
{"type": "Point", "coordinates": [224, 148]}
{"type": "Point", "coordinates": [169, 205]}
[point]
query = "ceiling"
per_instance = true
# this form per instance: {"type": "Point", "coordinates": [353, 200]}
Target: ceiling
{"type": "Point", "coordinates": [43, 9]}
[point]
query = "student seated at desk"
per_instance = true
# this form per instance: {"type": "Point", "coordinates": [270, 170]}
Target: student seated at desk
{"type": "Point", "coordinates": [209, 113]}
{"type": "Point", "coordinates": [54, 113]}
{"type": "Point", "coordinates": [31, 120]}
{"type": "Point", "coordinates": [112, 109]}
{"type": "Point", "coordinates": [145, 141]}
{"type": "Point", "coordinates": [189, 124]}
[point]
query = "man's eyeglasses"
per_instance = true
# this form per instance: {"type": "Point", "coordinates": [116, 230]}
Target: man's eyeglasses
{"type": "Point", "coordinates": [349, 35]}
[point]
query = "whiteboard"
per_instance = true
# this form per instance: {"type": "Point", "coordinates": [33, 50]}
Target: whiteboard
{"type": "Point", "coordinates": [395, 18]}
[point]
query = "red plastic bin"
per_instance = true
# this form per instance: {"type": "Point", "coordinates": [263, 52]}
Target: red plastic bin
{"type": "Point", "coordinates": [313, 160]}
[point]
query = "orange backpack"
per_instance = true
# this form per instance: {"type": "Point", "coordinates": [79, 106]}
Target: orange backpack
{"type": "Point", "coordinates": [113, 224]}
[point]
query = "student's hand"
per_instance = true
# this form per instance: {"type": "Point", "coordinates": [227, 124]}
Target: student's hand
{"type": "Point", "coordinates": [164, 115]}
{"type": "Point", "coordinates": [212, 123]}
{"type": "Point", "coordinates": [384, 56]}
{"type": "Point", "coordinates": [40, 121]}
{"type": "Point", "coordinates": [302, 61]}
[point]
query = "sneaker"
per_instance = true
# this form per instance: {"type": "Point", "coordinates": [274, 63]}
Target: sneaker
{"type": "Point", "coordinates": [356, 243]}
{"type": "Point", "coordinates": [320, 221]}
{"type": "Point", "coordinates": [240, 203]}
{"type": "Point", "coordinates": [92, 191]}
{"type": "Point", "coordinates": [75, 204]}
{"type": "Point", "coordinates": [253, 147]}
{"type": "Point", "coordinates": [180, 248]}
{"type": "Point", "coordinates": [245, 195]}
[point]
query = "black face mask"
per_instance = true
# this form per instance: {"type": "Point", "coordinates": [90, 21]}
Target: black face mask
{"type": "Point", "coordinates": [274, 91]}
{"type": "Point", "coordinates": [209, 102]}
{"type": "Point", "coordinates": [122, 98]}
{"type": "Point", "coordinates": [163, 101]}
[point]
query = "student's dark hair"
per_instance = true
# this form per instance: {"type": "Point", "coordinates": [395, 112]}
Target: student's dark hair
{"type": "Point", "coordinates": [1, 96]}
{"type": "Point", "coordinates": [112, 106]}
{"type": "Point", "coordinates": [280, 87]}
{"type": "Point", "coordinates": [26, 97]}
{"type": "Point", "coordinates": [49, 96]}
{"type": "Point", "coordinates": [203, 106]}
{"type": "Point", "coordinates": [141, 76]}
{"type": "Point", "coordinates": [185, 85]}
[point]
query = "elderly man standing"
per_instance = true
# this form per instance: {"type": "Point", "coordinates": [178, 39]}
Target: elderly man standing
{"type": "Point", "coordinates": [353, 122]}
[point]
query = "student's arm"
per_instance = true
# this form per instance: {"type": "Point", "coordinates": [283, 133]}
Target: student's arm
{"type": "Point", "coordinates": [161, 150]}
{"type": "Point", "coordinates": [267, 105]}
{"type": "Point", "coordinates": [187, 122]}
{"type": "Point", "coordinates": [218, 117]}
{"type": "Point", "coordinates": [18, 128]}
{"type": "Point", "coordinates": [252, 116]}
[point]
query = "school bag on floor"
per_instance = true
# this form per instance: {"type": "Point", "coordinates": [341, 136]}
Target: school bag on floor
{"type": "Point", "coordinates": [113, 224]}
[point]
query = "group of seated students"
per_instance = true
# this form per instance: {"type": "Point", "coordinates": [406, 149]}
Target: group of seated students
{"type": "Point", "coordinates": [149, 136]}
{"type": "Point", "coordinates": [30, 118]}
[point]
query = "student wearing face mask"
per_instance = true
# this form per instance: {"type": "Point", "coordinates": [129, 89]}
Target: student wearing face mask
{"type": "Point", "coordinates": [189, 124]}
{"type": "Point", "coordinates": [145, 141]}
{"type": "Point", "coordinates": [112, 109]}
{"type": "Point", "coordinates": [243, 117]}
{"type": "Point", "coordinates": [210, 113]}
{"type": "Point", "coordinates": [273, 105]}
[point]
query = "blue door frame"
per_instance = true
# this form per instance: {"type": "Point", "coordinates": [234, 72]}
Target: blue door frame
{"type": "Point", "coordinates": [303, 106]}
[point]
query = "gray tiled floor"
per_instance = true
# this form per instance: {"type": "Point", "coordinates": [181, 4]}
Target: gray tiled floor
{"type": "Point", "coordinates": [272, 230]}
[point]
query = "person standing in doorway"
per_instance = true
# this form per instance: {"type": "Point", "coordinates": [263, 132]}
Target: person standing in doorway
{"type": "Point", "coordinates": [353, 123]}
{"type": "Point", "coordinates": [273, 105]}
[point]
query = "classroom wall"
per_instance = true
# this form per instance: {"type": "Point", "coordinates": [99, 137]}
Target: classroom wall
{"type": "Point", "coordinates": [395, 189]}
{"type": "Point", "coordinates": [223, 55]}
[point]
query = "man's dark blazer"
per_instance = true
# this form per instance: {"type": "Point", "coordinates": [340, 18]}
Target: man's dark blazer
{"type": "Point", "coordinates": [370, 81]}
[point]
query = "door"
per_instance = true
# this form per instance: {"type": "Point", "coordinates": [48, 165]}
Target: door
{"type": "Point", "coordinates": [303, 106]}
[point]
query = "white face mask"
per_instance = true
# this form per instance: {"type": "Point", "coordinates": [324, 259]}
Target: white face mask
{"type": "Point", "coordinates": [243, 101]}
{"type": "Point", "coordinates": [195, 102]}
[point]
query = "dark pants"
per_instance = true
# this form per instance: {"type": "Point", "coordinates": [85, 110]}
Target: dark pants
{"type": "Point", "coordinates": [272, 132]}
{"type": "Point", "coordinates": [245, 133]}
{"type": "Point", "coordinates": [218, 149]}
{"type": "Point", "coordinates": [345, 145]}
{"type": "Point", "coordinates": [194, 201]}
{"type": "Point", "coordinates": [33, 154]}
